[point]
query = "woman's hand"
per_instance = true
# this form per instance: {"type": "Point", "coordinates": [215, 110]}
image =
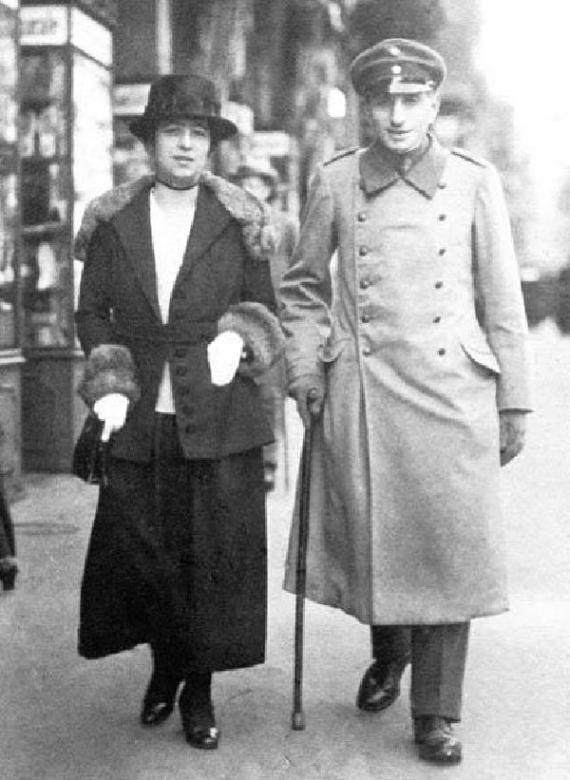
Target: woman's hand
{"type": "Point", "coordinates": [224, 355]}
{"type": "Point", "coordinates": [112, 410]}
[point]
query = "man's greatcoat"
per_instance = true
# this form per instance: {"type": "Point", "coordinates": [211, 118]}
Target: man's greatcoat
{"type": "Point", "coordinates": [418, 326]}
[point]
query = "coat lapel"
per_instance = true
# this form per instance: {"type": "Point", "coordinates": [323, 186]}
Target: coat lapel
{"type": "Point", "coordinates": [210, 220]}
{"type": "Point", "coordinates": [133, 226]}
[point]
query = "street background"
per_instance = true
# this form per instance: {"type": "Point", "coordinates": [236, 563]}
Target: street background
{"type": "Point", "coordinates": [64, 718]}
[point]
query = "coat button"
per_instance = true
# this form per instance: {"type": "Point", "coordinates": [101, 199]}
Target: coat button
{"type": "Point", "coordinates": [442, 217]}
{"type": "Point", "coordinates": [183, 390]}
{"type": "Point", "coordinates": [364, 284]}
{"type": "Point", "coordinates": [438, 285]}
{"type": "Point", "coordinates": [442, 251]}
{"type": "Point", "coordinates": [442, 185]}
{"type": "Point", "coordinates": [180, 352]}
{"type": "Point", "coordinates": [363, 251]}
{"type": "Point", "coordinates": [361, 216]}
{"type": "Point", "coordinates": [441, 351]}
{"type": "Point", "coordinates": [437, 319]}
{"type": "Point", "coordinates": [181, 371]}
{"type": "Point", "coordinates": [365, 318]}
{"type": "Point", "coordinates": [366, 351]}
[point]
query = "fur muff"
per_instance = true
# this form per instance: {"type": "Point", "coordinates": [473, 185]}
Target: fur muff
{"type": "Point", "coordinates": [258, 232]}
{"type": "Point", "coordinates": [261, 332]}
{"type": "Point", "coordinates": [109, 369]}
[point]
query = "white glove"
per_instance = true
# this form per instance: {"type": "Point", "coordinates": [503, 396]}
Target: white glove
{"type": "Point", "coordinates": [224, 354]}
{"type": "Point", "coordinates": [112, 410]}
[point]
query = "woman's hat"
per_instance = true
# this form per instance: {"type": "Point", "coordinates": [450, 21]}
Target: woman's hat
{"type": "Point", "coordinates": [260, 168]}
{"type": "Point", "coordinates": [182, 97]}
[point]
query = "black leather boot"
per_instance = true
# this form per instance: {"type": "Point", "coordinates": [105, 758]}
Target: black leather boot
{"type": "Point", "coordinates": [197, 712]}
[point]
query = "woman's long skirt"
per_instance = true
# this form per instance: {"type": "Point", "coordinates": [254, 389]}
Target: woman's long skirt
{"type": "Point", "coordinates": [178, 558]}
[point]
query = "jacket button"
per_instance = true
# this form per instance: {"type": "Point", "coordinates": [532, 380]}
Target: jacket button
{"type": "Point", "coordinates": [364, 284]}
{"type": "Point", "coordinates": [438, 285]}
{"type": "Point", "coordinates": [441, 351]}
{"type": "Point", "coordinates": [365, 318]}
{"type": "Point", "coordinates": [442, 185]}
{"type": "Point", "coordinates": [442, 251]}
{"type": "Point", "coordinates": [181, 371]}
{"type": "Point", "coordinates": [361, 216]}
{"type": "Point", "coordinates": [183, 391]}
{"type": "Point", "coordinates": [363, 251]}
{"type": "Point", "coordinates": [366, 351]}
{"type": "Point", "coordinates": [180, 353]}
{"type": "Point", "coordinates": [437, 319]}
{"type": "Point", "coordinates": [442, 217]}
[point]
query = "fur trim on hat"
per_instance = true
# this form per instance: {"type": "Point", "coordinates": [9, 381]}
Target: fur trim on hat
{"type": "Point", "coordinates": [254, 217]}
{"type": "Point", "coordinates": [260, 329]}
{"type": "Point", "coordinates": [109, 369]}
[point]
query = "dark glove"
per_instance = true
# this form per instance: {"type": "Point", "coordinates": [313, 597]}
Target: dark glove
{"type": "Point", "coordinates": [309, 393]}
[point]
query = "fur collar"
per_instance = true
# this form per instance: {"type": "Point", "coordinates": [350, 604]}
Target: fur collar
{"type": "Point", "coordinates": [254, 218]}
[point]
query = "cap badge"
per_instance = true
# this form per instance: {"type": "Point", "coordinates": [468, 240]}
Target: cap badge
{"type": "Point", "coordinates": [396, 69]}
{"type": "Point", "coordinates": [393, 51]}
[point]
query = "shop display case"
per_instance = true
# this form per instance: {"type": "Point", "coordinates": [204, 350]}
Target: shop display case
{"type": "Point", "coordinates": [65, 150]}
{"type": "Point", "coordinates": [10, 355]}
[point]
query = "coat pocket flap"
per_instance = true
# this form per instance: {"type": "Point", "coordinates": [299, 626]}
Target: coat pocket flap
{"type": "Point", "coordinates": [330, 350]}
{"type": "Point", "coordinates": [482, 355]}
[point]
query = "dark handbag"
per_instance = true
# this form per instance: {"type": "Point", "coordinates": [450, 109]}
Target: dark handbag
{"type": "Point", "coordinates": [90, 453]}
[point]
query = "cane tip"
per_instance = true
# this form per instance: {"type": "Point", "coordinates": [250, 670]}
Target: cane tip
{"type": "Point", "coordinates": [298, 721]}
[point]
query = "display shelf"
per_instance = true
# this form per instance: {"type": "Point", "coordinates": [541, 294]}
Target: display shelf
{"type": "Point", "coordinates": [65, 151]}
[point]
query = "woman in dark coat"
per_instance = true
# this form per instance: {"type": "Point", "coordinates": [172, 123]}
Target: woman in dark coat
{"type": "Point", "coordinates": [175, 315]}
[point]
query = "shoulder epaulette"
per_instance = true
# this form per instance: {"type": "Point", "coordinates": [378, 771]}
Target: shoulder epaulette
{"type": "Point", "coordinates": [341, 154]}
{"type": "Point", "coordinates": [459, 152]}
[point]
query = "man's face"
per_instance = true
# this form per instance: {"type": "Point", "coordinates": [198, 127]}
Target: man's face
{"type": "Point", "coordinates": [180, 151]}
{"type": "Point", "coordinates": [401, 121]}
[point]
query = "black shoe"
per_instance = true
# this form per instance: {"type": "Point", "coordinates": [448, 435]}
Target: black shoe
{"type": "Point", "coordinates": [380, 686]}
{"type": "Point", "coordinates": [197, 713]}
{"type": "Point", "coordinates": [158, 702]}
{"type": "Point", "coordinates": [8, 572]}
{"type": "Point", "coordinates": [436, 739]}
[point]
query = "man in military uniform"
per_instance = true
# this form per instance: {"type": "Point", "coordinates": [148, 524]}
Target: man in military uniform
{"type": "Point", "coordinates": [409, 356]}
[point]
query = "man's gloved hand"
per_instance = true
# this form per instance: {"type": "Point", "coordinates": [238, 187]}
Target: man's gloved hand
{"type": "Point", "coordinates": [309, 393]}
{"type": "Point", "coordinates": [112, 410]}
{"type": "Point", "coordinates": [512, 432]}
{"type": "Point", "coordinates": [224, 355]}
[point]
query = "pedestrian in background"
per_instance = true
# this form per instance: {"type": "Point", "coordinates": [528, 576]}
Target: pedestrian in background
{"type": "Point", "coordinates": [262, 180]}
{"type": "Point", "coordinates": [8, 562]}
{"type": "Point", "coordinates": [416, 402]}
{"type": "Point", "coordinates": [175, 316]}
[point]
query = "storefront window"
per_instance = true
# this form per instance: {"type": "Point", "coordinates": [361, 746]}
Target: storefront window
{"type": "Point", "coordinates": [44, 144]}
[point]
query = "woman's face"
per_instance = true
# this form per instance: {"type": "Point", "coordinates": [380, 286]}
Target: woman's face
{"type": "Point", "coordinates": [180, 152]}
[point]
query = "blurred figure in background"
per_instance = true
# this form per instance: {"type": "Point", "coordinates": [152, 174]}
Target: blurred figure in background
{"type": "Point", "coordinates": [260, 179]}
{"type": "Point", "coordinates": [8, 564]}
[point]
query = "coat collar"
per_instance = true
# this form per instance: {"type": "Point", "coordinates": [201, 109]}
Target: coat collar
{"type": "Point", "coordinates": [133, 226]}
{"type": "Point", "coordinates": [377, 171]}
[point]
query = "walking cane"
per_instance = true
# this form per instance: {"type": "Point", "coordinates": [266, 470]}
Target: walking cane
{"type": "Point", "coordinates": [298, 717]}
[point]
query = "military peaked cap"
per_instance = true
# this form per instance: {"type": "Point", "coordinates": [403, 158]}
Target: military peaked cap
{"type": "Point", "coordinates": [397, 65]}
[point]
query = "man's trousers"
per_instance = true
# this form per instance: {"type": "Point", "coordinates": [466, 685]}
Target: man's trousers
{"type": "Point", "coordinates": [437, 653]}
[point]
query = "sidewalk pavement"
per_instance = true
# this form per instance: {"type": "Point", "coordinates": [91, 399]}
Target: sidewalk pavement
{"type": "Point", "coordinates": [65, 718]}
